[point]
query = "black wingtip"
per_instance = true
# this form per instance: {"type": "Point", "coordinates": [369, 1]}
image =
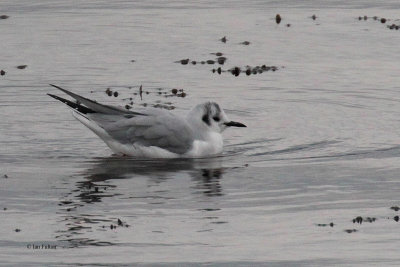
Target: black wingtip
{"type": "Point", "coordinates": [75, 106]}
{"type": "Point", "coordinates": [53, 85]}
{"type": "Point", "coordinates": [58, 87]}
{"type": "Point", "coordinates": [53, 96]}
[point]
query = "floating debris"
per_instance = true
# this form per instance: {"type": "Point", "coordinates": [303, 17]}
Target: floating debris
{"type": "Point", "coordinates": [21, 67]}
{"type": "Point", "coordinates": [395, 208]}
{"type": "Point", "coordinates": [245, 43]}
{"type": "Point", "coordinates": [4, 17]}
{"type": "Point", "coordinates": [223, 39]}
{"type": "Point", "coordinates": [325, 224]}
{"type": "Point", "coordinates": [248, 70]}
{"type": "Point", "coordinates": [109, 92]}
{"type": "Point", "coordinates": [235, 71]}
{"type": "Point", "coordinates": [349, 231]}
{"type": "Point", "coordinates": [393, 26]}
{"type": "Point", "coordinates": [218, 54]}
{"type": "Point", "coordinates": [370, 219]}
{"type": "Point", "coordinates": [278, 18]}
{"type": "Point", "coordinates": [358, 219]}
{"type": "Point", "coordinates": [183, 61]}
{"type": "Point", "coordinates": [383, 21]}
{"type": "Point", "coordinates": [140, 92]}
{"type": "Point", "coordinates": [221, 60]}
{"type": "Point", "coordinates": [2, 72]}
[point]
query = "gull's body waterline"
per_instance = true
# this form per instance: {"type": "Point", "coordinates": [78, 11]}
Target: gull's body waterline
{"type": "Point", "coordinates": [151, 132]}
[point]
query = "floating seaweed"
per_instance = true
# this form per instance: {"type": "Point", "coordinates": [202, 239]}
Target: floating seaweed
{"type": "Point", "coordinates": [325, 224]}
{"type": "Point", "coordinates": [278, 19]}
{"type": "Point", "coordinates": [183, 61]}
{"type": "Point", "coordinates": [393, 26]}
{"type": "Point", "coordinates": [248, 70]}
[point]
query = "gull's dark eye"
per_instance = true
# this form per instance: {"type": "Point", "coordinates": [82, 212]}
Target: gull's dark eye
{"type": "Point", "coordinates": [206, 119]}
{"type": "Point", "coordinates": [216, 119]}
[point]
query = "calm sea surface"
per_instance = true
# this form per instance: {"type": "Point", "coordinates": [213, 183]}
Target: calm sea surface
{"type": "Point", "coordinates": [322, 145]}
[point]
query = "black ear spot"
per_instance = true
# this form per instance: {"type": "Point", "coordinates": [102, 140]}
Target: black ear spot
{"type": "Point", "coordinates": [206, 119]}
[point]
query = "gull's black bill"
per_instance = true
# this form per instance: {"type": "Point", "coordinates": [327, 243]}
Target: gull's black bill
{"type": "Point", "coordinates": [234, 124]}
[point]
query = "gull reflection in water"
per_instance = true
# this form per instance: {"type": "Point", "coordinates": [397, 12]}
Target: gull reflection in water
{"type": "Point", "coordinates": [95, 186]}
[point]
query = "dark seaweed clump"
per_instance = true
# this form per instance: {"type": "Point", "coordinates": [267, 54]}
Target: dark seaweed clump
{"type": "Point", "coordinates": [360, 220]}
{"type": "Point", "coordinates": [236, 70]}
{"type": "Point", "coordinates": [392, 26]}
{"type": "Point", "coordinates": [137, 97]}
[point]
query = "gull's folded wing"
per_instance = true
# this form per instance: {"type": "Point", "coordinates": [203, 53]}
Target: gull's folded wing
{"type": "Point", "coordinates": [152, 127]}
{"type": "Point", "coordinates": [163, 129]}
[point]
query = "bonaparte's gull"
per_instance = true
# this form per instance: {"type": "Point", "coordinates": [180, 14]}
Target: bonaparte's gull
{"type": "Point", "coordinates": [152, 132]}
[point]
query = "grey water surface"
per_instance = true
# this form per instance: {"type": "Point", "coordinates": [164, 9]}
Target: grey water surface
{"type": "Point", "coordinates": [322, 145]}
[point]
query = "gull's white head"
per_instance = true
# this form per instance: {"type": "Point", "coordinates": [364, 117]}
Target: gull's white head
{"type": "Point", "coordinates": [210, 117]}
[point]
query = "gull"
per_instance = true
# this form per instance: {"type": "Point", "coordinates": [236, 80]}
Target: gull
{"type": "Point", "coordinates": [153, 132]}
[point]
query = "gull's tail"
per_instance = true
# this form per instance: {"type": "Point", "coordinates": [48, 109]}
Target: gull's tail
{"type": "Point", "coordinates": [89, 112]}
